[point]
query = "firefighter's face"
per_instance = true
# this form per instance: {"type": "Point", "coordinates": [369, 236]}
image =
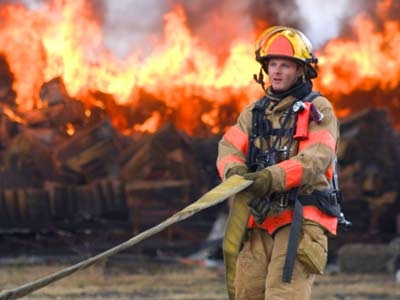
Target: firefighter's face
{"type": "Point", "coordinates": [283, 73]}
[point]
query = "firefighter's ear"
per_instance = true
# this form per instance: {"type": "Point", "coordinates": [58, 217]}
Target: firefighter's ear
{"type": "Point", "coordinates": [301, 72]}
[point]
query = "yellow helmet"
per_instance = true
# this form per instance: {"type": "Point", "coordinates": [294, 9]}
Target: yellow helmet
{"type": "Point", "coordinates": [283, 41]}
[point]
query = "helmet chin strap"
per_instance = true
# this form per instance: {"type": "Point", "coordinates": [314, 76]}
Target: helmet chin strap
{"type": "Point", "coordinates": [260, 78]}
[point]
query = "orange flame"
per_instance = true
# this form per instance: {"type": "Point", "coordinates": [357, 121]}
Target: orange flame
{"type": "Point", "coordinates": [364, 71]}
{"type": "Point", "coordinates": [181, 80]}
{"type": "Point", "coordinates": [70, 130]}
{"type": "Point", "coordinates": [368, 62]}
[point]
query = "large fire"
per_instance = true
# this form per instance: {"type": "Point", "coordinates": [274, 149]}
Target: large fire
{"type": "Point", "coordinates": [181, 80]}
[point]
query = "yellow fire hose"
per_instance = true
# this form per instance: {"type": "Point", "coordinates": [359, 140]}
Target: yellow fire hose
{"type": "Point", "coordinates": [220, 193]}
{"type": "Point", "coordinates": [234, 233]}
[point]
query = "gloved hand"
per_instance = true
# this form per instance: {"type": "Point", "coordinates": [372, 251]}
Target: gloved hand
{"type": "Point", "coordinates": [238, 169]}
{"type": "Point", "coordinates": [259, 208]}
{"type": "Point", "coordinates": [259, 205]}
{"type": "Point", "coordinates": [261, 185]}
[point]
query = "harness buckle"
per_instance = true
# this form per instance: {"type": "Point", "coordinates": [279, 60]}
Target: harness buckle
{"type": "Point", "coordinates": [279, 202]}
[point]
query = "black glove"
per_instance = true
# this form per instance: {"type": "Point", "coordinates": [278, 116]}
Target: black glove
{"type": "Point", "coordinates": [259, 208]}
{"type": "Point", "coordinates": [261, 185]}
{"type": "Point", "coordinates": [238, 169]}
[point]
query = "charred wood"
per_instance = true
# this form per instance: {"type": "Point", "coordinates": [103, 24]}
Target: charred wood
{"type": "Point", "coordinates": [369, 164]}
{"type": "Point", "coordinates": [91, 152]}
{"type": "Point", "coordinates": [8, 127]}
{"type": "Point", "coordinates": [7, 93]}
{"type": "Point", "coordinates": [166, 155]}
{"type": "Point", "coordinates": [28, 157]}
{"type": "Point", "coordinates": [27, 207]}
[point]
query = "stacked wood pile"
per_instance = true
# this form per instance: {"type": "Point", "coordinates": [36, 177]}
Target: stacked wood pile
{"type": "Point", "coordinates": [63, 161]}
{"type": "Point", "coordinates": [62, 164]}
{"type": "Point", "coordinates": [369, 161]}
{"type": "Point", "coordinates": [97, 173]}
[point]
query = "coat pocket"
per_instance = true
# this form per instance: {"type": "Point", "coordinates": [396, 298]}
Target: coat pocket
{"type": "Point", "coordinates": [313, 249]}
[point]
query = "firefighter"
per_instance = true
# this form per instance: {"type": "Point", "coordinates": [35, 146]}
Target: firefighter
{"type": "Point", "coordinates": [286, 144]}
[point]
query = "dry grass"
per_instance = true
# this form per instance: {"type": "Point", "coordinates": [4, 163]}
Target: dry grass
{"type": "Point", "coordinates": [145, 279]}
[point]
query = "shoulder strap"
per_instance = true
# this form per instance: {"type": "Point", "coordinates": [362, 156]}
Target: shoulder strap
{"type": "Point", "coordinates": [311, 96]}
{"type": "Point", "coordinates": [257, 126]}
{"type": "Point", "coordinates": [261, 103]}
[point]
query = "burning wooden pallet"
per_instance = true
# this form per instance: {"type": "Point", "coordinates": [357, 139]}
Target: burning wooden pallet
{"type": "Point", "coordinates": [98, 173]}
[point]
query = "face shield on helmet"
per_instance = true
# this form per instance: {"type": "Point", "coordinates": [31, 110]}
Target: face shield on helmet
{"type": "Point", "coordinates": [282, 41]}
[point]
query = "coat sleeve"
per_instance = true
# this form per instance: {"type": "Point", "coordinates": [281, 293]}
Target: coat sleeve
{"type": "Point", "coordinates": [312, 167]}
{"type": "Point", "coordinates": [233, 147]}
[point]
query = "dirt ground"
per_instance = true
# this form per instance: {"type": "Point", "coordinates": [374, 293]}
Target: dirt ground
{"type": "Point", "coordinates": [143, 278]}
